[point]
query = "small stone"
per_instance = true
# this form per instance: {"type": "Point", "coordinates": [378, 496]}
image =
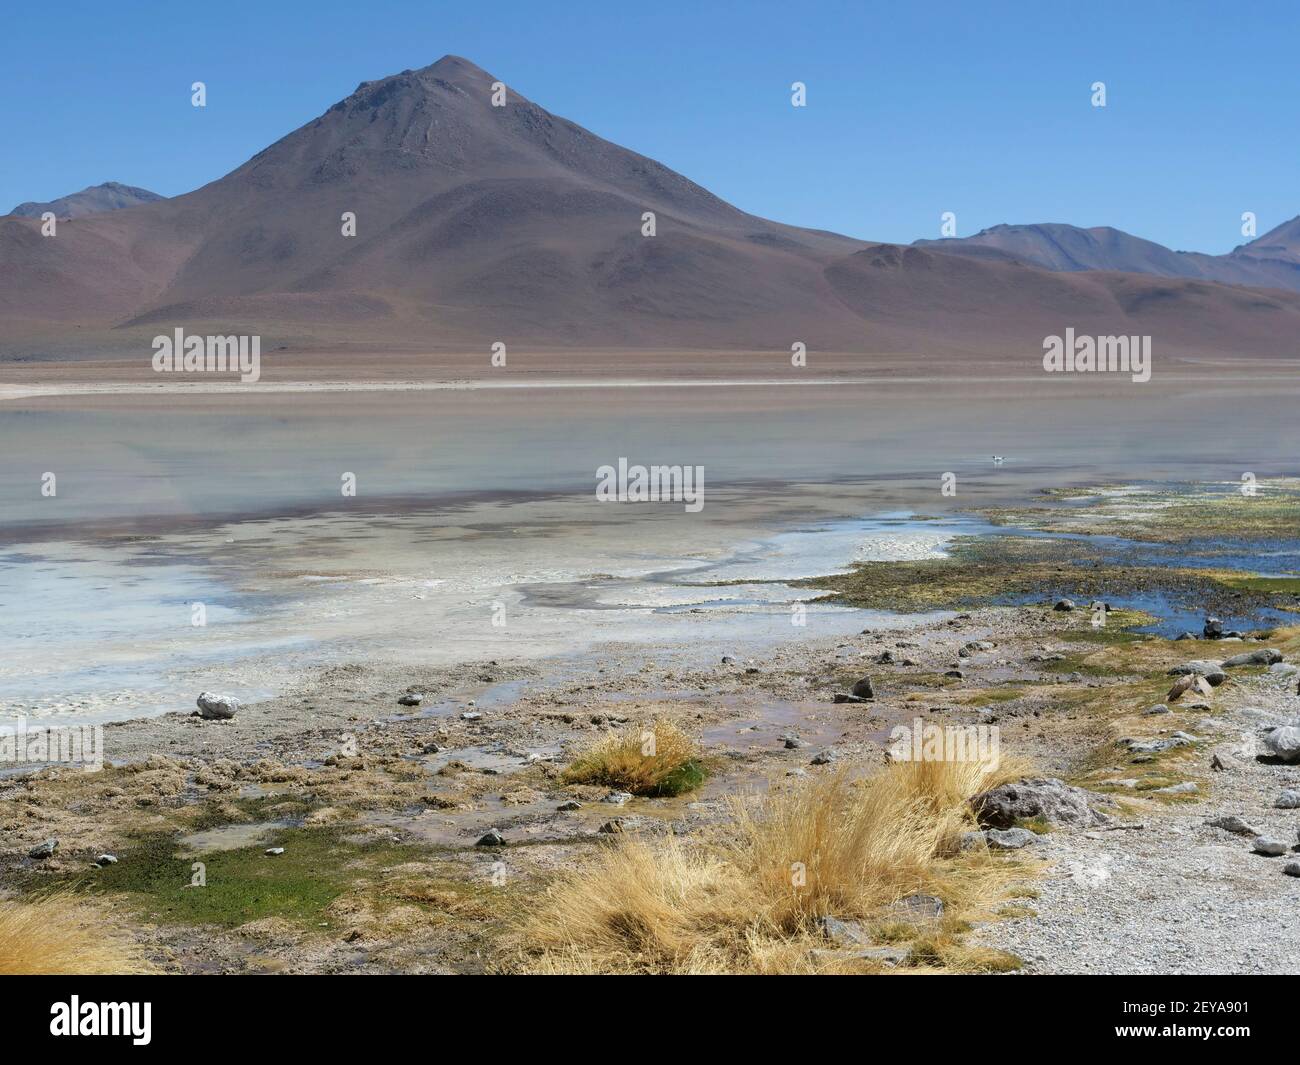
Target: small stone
{"type": "Point", "coordinates": [956, 674]}
{"type": "Point", "coordinates": [844, 697]}
{"type": "Point", "coordinates": [727, 660]}
{"type": "Point", "coordinates": [572, 804]}
{"type": "Point", "coordinates": [618, 798]}
{"type": "Point", "coordinates": [1009, 839]}
{"type": "Point", "coordinates": [1187, 787]}
{"type": "Point", "coordinates": [470, 715]}
{"type": "Point", "coordinates": [217, 707]}
{"type": "Point", "coordinates": [44, 850]}
{"type": "Point", "coordinates": [792, 742]}
{"type": "Point", "coordinates": [106, 859]}
{"type": "Point", "coordinates": [1212, 629]}
{"type": "Point", "coordinates": [491, 838]}
{"type": "Point", "coordinates": [612, 827]}
{"type": "Point", "coordinates": [274, 850]}
{"type": "Point", "coordinates": [1159, 708]}
{"type": "Point", "coordinates": [1270, 847]}
{"type": "Point", "coordinates": [1291, 868]}
{"type": "Point", "coordinates": [825, 757]}
{"type": "Point", "coordinates": [1064, 604]}
{"type": "Point", "coordinates": [863, 690]}
{"type": "Point", "coordinates": [1288, 800]}
{"type": "Point", "coordinates": [1222, 763]}
{"type": "Point", "coordinates": [411, 699]}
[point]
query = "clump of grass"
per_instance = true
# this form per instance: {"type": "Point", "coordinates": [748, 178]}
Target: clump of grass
{"type": "Point", "coordinates": [748, 901]}
{"type": "Point", "coordinates": [658, 761]}
{"type": "Point", "coordinates": [58, 935]}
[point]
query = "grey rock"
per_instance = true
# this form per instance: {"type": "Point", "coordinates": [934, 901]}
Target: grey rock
{"type": "Point", "coordinates": [1266, 656]}
{"type": "Point", "coordinates": [846, 933]}
{"type": "Point", "coordinates": [825, 757]}
{"type": "Point", "coordinates": [1053, 800]}
{"type": "Point", "coordinates": [612, 827]}
{"type": "Point", "coordinates": [217, 707]}
{"type": "Point", "coordinates": [1291, 868]}
{"type": "Point", "coordinates": [844, 697]}
{"type": "Point", "coordinates": [956, 674]}
{"type": "Point", "coordinates": [44, 850]}
{"type": "Point", "coordinates": [922, 907]}
{"type": "Point", "coordinates": [1235, 825]}
{"type": "Point", "coordinates": [1287, 800]}
{"type": "Point", "coordinates": [792, 742]}
{"type": "Point", "coordinates": [1064, 604]}
{"type": "Point", "coordinates": [1201, 667]}
{"type": "Point", "coordinates": [411, 699]}
{"type": "Point", "coordinates": [1159, 708]}
{"type": "Point", "coordinates": [106, 859]}
{"type": "Point", "coordinates": [274, 850]}
{"type": "Point", "coordinates": [1221, 762]}
{"type": "Point", "coordinates": [1272, 848]}
{"type": "Point", "coordinates": [1284, 743]}
{"type": "Point", "coordinates": [863, 690]}
{"type": "Point", "coordinates": [571, 804]}
{"type": "Point", "coordinates": [1151, 746]}
{"type": "Point", "coordinates": [727, 660]}
{"type": "Point", "coordinates": [1009, 839]}
{"type": "Point", "coordinates": [470, 715]}
{"type": "Point", "coordinates": [1212, 629]}
{"type": "Point", "coordinates": [618, 798]}
{"type": "Point", "coordinates": [491, 838]}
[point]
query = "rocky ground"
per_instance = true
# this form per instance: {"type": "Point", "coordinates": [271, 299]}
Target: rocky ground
{"type": "Point", "coordinates": [382, 809]}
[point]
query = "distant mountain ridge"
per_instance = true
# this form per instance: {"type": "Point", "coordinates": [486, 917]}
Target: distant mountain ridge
{"type": "Point", "coordinates": [1270, 261]}
{"type": "Point", "coordinates": [477, 223]}
{"type": "Point", "coordinates": [110, 196]}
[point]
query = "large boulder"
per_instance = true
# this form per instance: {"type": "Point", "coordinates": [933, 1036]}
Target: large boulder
{"type": "Point", "coordinates": [217, 707]}
{"type": "Point", "coordinates": [1053, 800]}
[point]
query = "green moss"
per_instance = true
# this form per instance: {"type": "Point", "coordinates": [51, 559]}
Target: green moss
{"type": "Point", "coordinates": [246, 884]}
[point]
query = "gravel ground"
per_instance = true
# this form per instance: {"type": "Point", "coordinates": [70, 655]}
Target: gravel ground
{"type": "Point", "coordinates": [1177, 896]}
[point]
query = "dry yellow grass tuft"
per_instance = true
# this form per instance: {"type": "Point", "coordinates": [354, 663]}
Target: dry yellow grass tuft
{"type": "Point", "coordinates": [750, 902]}
{"type": "Point", "coordinates": [661, 760]}
{"type": "Point", "coordinates": [61, 936]}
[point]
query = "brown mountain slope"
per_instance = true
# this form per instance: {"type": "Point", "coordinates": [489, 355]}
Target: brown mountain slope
{"type": "Point", "coordinates": [478, 223]}
{"type": "Point", "coordinates": [110, 196]}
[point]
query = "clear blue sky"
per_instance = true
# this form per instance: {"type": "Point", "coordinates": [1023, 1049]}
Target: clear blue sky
{"type": "Point", "coordinates": [914, 108]}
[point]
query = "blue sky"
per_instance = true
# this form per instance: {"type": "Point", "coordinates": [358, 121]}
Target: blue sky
{"type": "Point", "coordinates": [914, 108]}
